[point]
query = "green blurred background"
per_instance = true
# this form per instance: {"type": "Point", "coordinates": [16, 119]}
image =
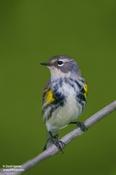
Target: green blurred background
{"type": "Point", "coordinates": [33, 31]}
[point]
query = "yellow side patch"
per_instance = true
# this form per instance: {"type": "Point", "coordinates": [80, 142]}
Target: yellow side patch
{"type": "Point", "coordinates": [85, 89]}
{"type": "Point", "coordinates": [49, 97]}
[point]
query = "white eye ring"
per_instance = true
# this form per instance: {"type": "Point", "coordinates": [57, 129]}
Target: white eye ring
{"type": "Point", "coordinates": [60, 63]}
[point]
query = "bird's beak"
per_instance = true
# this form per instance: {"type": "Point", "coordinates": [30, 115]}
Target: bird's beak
{"type": "Point", "coordinates": [45, 64]}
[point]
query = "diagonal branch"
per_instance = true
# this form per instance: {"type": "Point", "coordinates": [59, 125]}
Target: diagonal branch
{"type": "Point", "coordinates": [52, 150]}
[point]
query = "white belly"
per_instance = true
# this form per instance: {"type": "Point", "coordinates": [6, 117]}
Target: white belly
{"type": "Point", "coordinates": [62, 116]}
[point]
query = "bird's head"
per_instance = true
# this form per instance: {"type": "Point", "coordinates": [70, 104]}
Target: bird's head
{"type": "Point", "coordinates": [62, 66]}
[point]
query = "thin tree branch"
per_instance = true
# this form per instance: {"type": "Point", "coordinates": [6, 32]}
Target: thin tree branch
{"type": "Point", "coordinates": [52, 150]}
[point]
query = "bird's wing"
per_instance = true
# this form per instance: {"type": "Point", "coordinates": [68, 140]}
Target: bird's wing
{"type": "Point", "coordinates": [85, 89]}
{"type": "Point", "coordinates": [82, 94]}
{"type": "Point", "coordinates": [52, 99]}
{"type": "Point", "coordinates": [48, 95]}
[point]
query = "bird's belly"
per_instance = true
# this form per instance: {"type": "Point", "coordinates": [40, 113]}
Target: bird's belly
{"type": "Point", "coordinates": [62, 116]}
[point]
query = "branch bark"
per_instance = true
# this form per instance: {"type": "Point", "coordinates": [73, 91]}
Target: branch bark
{"type": "Point", "coordinates": [52, 150]}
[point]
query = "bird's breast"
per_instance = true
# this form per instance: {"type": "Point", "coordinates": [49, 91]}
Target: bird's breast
{"type": "Point", "coordinates": [70, 111]}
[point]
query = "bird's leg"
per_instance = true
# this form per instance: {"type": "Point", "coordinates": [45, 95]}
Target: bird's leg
{"type": "Point", "coordinates": [46, 144]}
{"type": "Point", "coordinates": [49, 140]}
{"type": "Point", "coordinates": [81, 125]}
{"type": "Point", "coordinates": [58, 143]}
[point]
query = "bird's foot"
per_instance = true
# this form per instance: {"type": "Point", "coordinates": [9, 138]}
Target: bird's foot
{"type": "Point", "coordinates": [81, 125]}
{"type": "Point", "coordinates": [58, 143]}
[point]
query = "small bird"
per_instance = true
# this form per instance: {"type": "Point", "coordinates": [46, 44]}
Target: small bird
{"type": "Point", "coordinates": [64, 97]}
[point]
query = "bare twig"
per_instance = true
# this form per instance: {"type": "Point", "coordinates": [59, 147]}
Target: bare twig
{"type": "Point", "coordinates": [52, 150]}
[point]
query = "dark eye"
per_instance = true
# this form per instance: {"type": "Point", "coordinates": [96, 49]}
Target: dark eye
{"type": "Point", "coordinates": [60, 63]}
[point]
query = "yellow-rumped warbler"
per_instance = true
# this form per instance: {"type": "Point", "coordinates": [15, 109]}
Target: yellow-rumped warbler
{"type": "Point", "coordinates": [64, 97]}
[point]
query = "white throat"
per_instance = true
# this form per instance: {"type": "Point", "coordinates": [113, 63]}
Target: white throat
{"type": "Point", "coordinates": [57, 73]}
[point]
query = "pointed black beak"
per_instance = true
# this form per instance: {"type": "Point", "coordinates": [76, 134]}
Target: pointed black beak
{"type": "Point", "coordinates": [45, 64]}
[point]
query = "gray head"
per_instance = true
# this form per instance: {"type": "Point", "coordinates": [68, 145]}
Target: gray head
{"type": "Point", "coordinates": [62, 66]}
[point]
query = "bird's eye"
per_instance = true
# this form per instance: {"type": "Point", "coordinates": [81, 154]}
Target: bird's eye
{"type": "Point", "coordinates": [60, 63]}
